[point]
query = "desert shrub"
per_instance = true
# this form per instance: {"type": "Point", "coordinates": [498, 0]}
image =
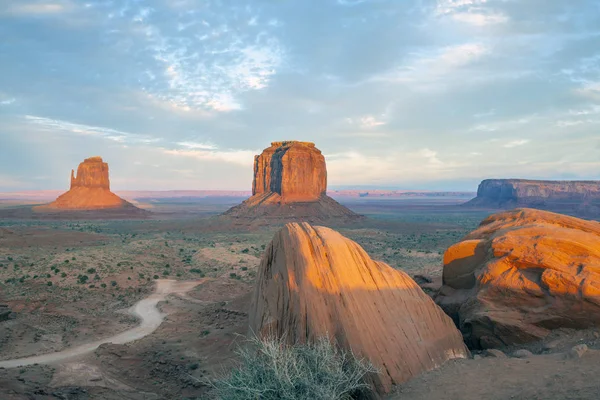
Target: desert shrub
{"type": "Point", "coordinates": [269, 369]}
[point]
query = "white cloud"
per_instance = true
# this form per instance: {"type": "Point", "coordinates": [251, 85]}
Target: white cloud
{"type": "Point", "coordinates": [210, 75]}
{"type": "Point", "coordinates": [350, 2]}
{"type": "Point", "coordinates": [196, 145]}
{"type": "Point", "coordinates": [504, 125]}
{"type": "Point", "coordinates": [480, 19]}
{"type": "Point", "coordinates": [590, 90]}
{"type": "Point", "coordinates": [240, 157]}
{"type": "Point", "coordinates": [426, 68]}
{"type": "Point", "coordinates": [366, 122]}
{"type": "Point", "coordinates": [7, 102]}
{"type": "Point", "coordinates": [56, 126]}
{"type": "Point", "coordinates": [23, 8]}
{"type": "Point", "coordinates": [515, 143]}
{"type": "Point", "coordinates": [472, 12]}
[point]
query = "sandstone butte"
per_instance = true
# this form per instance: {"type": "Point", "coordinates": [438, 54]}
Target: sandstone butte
{"type": "Point", "coordinates": [314, 282]}
{"type": "Point", "coordinates": [90, 189]}
{"type": "Point", "coordinates": [290, 181]}
{"type": "Point", "coordinates": [576, 197]}
{"type": "Point", "coordinates": [521, 274]}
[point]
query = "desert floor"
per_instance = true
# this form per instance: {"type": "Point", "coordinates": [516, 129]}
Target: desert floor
{"type": "Point", "coordinates": [74, 282]}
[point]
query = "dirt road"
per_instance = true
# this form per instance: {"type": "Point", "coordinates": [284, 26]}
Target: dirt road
{"type": "Point", "coordinates": [145, 309]}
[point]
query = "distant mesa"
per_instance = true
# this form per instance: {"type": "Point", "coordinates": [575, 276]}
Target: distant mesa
{"type": "Point", "coordinates": [290, 182]}
{"type": "Point", "coordinates": [90, 190]}
{"type": "Point", "coordinates": [520, 275]}
{"type": "Point", "coordinates": [314, 282]}
{"type": "Point", "coordinates": [581, 198]}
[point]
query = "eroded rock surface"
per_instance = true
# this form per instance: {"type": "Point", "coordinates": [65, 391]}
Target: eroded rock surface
{"type": "Point", "coordinates": [314, 282]}
{"type": "Point", "coordinates": [521, 274]}
{"type": "Point", "coordinates": [290, 182]}
{"type": "Point", "coordinates": [577, 197]}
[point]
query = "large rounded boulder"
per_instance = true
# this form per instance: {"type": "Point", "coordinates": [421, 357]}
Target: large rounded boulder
{"type": "Point", "coordinates": [521, 274]}
{"type": "Point", "coordinates": [314, 282]}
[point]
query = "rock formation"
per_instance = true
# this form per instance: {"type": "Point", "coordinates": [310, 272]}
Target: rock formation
{"type": "Point", "coordinates": [314, 282]}
{"type": "Point", "coordinates": [521, 274]}
{"type": "Point", "coordinates": [90, 190]}
{"type": "Point", "coordinates": [577, 197]}
{"type": "Point", "coordinates": [290, 181]}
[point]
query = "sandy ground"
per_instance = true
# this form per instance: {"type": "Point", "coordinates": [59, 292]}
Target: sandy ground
{"type": "Point", "coordinates": [150, 319]}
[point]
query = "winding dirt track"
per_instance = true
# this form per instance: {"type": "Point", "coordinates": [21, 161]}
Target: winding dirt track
{"type": "Point", "coordinates": [145, 309]}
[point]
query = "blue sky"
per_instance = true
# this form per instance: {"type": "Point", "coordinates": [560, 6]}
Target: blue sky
{"type": "Point", "coordinates": [180, 94]}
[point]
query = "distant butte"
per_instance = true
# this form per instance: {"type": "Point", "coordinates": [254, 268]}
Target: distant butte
{"type": "Point", "coordinates": [290, 182]}
{"type": "Point", "coordinates": [90, 190]}
{"type": "Point", "coordinates": [581, 198]}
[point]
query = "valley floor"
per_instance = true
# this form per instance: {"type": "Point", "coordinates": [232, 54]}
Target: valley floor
{"type": "Point", "coordinates": [72, 282]}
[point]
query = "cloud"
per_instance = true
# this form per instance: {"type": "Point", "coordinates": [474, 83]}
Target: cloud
{"type": "Point", "coordinates": [196, 145]}
{"type": "Point", "coordinates": [515, 143]}
{"type": "Point", "coordinates": [24, 8]}
{"type": "Point", "coordinates": [208, 65]}
{"type": "Point", "coordinates": [350, 2]}
{"type": "Point", "coordinates": [590, 90]}
{"type": "Point", "coordinates": [426, 68]}
{"type": "Point", "coordinates": [233, 156]}
{"type": "Point", "coordinates": [480, 19]}
{"type": "Point", "coordinates": [366, 122]}
{"type": "Point", "coordinates": [7, 102]}
{"type": "Point", "coordinates": [56, 126]}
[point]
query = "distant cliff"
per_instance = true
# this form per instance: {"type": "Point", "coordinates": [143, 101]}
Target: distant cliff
{"type": "Point", "coordinates": [575, 197]}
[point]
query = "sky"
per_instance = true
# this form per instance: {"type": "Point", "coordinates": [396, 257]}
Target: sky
{"type": "Point", "coordinates": [406, 94]}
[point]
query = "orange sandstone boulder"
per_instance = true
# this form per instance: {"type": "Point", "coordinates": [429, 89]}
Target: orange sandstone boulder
{"type": "Point", "coordinates": [521, 274]}
{"type": "Point", "coordinates": [90, 190]}
{"type": "Point", "coordinates": [290, 182]}
{"type": "Point", "coordinates": [313, 282]}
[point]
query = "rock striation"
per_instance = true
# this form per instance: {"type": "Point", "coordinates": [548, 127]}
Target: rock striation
{"type": "Point", "coordinates": [521, 274]}
{"type": "Point", "coordinates": [314, 282]}
{"type": "Point", "coordinates": [290, 182]}
{"type": "Point", "coordinates": [578, 197]}
{"type": "Point", "coordinates": [90, 190]}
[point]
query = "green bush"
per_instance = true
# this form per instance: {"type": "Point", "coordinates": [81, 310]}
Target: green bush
{"type": "Point", "coordinates": [269, 369]}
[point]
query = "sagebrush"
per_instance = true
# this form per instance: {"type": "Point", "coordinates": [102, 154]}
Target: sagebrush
{"type": "Point", "coordinates": [269, 369]}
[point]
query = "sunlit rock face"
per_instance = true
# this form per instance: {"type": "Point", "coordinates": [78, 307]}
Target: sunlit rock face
{"type": "Point", "coordinates": [294, 170]}
{"type": "Point", "coordinates": [91, 173]}
{"type": "Point", "coordinates": [313, 282]}
{"type": "Point", "coordinates": [581, 198]}
{"type": "Point", "coordinates": [521, 274]}
{"type": "Point", "coordinates": [90, 189]}
{"type": "Point", "coordinates": [290, 182]}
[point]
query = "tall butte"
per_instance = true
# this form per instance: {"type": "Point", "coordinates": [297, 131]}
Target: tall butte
{"type": "Point", "coordinates": [90, 189]}
{"type": "Point", "coordinates": [290, 182]}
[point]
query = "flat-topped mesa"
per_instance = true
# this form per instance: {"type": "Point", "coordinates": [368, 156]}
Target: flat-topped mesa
{"type": "Point", "coordinates": [91, 173]}
{"type": "Point", "coordinates": [566, 196]}
{"type": "Point", "coordinates": [294, 170]}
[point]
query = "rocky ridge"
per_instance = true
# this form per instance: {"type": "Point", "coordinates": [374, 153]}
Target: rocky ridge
{"type": "Point", "coordinates": [577, 197]}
